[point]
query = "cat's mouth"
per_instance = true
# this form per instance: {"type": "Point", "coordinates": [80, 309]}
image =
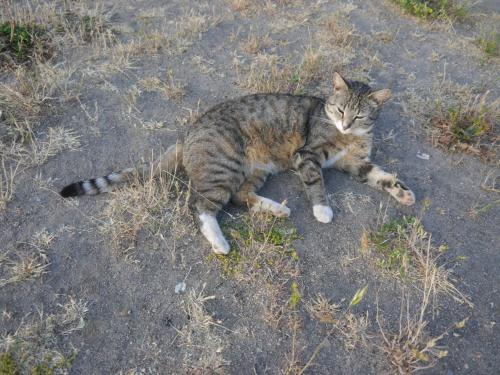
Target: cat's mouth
{"type": "Point", "coordinates": [342, 129]}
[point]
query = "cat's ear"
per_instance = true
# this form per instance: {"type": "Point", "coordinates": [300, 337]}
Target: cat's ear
{"type": "Point", "coordinates": [339, 83]}
{"type": "Point", "coordinates": [380, 96]}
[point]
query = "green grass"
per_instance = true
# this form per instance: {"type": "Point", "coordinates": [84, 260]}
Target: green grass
{"type": "Point", "coordinates": [19, 41]}
{"type": "Point", "coordinates": [449, 9]}
{"type": "Point", "coordinates": [7, 365]}
{"type": "Point", "coordinates": [489, 43]}
{"type": "Point", "coordinates": [391, 244]}
{"type": "Point", "coordinates": [468, 127]}
{"type": "Point", "coordinates": [246, 234]}
{"type": "Point", "coordinates": [295, 297]}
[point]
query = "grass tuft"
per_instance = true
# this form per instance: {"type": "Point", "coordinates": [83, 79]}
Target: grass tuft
{"type": "Point", "coordinates": [343, 323]}
{"type": "Point", "coordinates": [405, 251]}
{"type": "Point", "coordinates": [155, 207]}
{"type": "Point", "coordinates": [262, 256]}
{"type": "Point", "coordinates": [471, 127]}
{"type": "Point", "coordinates": [20, 42]}
{"type": "Point", "coordinates": [33, 348]}
{"type": "Point", "coordinates": [200, 336]}
{"type": "Point", "coordinates": [489, 42]}
{"type": "Point", "coordinates": [454, 10]}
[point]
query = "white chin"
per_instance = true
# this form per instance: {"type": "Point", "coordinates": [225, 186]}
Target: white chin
{"type": "Point", "coordinates": [342, 130]}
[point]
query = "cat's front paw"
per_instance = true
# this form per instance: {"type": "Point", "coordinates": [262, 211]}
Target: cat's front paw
{"type": "Point", "coordinates": [407, 198]}
{"type": "Point", "coordinates": [323, 214]}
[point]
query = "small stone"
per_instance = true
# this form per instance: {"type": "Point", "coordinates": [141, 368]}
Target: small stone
{"type": "Point", "coordinates": [180, 287]}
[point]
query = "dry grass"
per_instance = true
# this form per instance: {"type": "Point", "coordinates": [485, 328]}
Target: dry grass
{"type": "Point", "coordinates": [350, 328]}
{"type": "Point", "coordinates": [7, 177]}
{"type": "Point", "coordinates": [28, 261]}
{"type": "Point", "coordinates": [33, 347]}
{"type": "Point", "coordinates": [267, 73]}
{"type": "Point", "coordinates": [470, 126]}
{"type": "Point", "coordinates": [336, 38]}
{"type": "Point", "coordinates": [251, 8]}
{"type": "Point", "coordinates": [263, 258]}
{"type": "Point", "coordinates": [405, 251]}
{"type": "Point", "coordinates": [411, 347]}
{"type": "Point", "coordinates": [338, 31]}
{"type": "Point", "coordinates": [270, 73]}
{"type": "Point", "coordinates": [170, 89]}
{"type": "Point", "coordinates": [23, 267]}
{"type": "Point", "coordinates": [203, 344]}
{"type": "Point", "coordinates": [156, 207]}
{"type": "Point", "coordinates": [255, 43]}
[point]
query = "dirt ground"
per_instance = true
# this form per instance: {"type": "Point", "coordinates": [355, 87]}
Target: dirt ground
{"type": "Point", "coordinates": [88, 286]}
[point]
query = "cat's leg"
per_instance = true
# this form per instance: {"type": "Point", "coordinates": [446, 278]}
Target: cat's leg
{"type": "Point", "coordinates": [376, 177]}
{"type": "Point", "coordinates": [307, 164]}
{"type": "Point", "coordinates": [211, 230]}
{"type": "Point", "coordinates": [208, 203]}
{"type": "Point", "coordinates": [246, 195]}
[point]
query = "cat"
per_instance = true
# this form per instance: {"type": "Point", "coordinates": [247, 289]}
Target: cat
{"type": "Point", "coordinates": [230, 150]}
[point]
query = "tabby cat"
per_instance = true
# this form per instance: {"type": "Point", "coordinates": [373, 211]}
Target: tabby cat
{"type": "Point", "coordinates": [229, 152]}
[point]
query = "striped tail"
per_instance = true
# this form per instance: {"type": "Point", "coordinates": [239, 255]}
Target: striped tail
{"type": "Point", "coordinates": [168, 162]}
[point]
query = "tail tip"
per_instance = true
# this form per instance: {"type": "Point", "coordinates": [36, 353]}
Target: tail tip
{"type": "Point", "coordinates": [70, 191]}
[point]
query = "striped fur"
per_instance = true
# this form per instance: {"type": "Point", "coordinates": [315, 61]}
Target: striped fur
{"type": "Point", "coordinates": [231, 149]}
{"type": "Point", "coordinates": [168, 162]}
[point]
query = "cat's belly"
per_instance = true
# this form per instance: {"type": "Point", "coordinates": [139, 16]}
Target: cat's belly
{"type": "Point", "coordinates": [330, 162]}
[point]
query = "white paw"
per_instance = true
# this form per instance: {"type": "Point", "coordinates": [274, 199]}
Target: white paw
{"type": "Point", "coordinates": [266, 204]}
{"type": "Point", "coordinates": [221, 247]}
{"type": "Point", "coordinates": [211, 230]}
{"type": "Point", "coordinates": [323, 214]}
{"type": "Point", "coordinates": [408, 198]}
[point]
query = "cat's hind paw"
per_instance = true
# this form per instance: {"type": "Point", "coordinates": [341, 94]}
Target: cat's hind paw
{"type": "Point", "coordinates": [323, 214]}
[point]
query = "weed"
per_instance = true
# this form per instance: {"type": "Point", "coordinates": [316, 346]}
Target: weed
{"type": "Point", "coordinates": [23, 266]}
{"type": "Point", "coordinates": [405, 250]}
{"type": "Point", "coordinates": [7, 365]}
{"type": "Point", "coordinates": [22, 42]}
{"type": "Point", "coordinates": [489, 42]}
{"type": "Point", "coordinates": [294, 296]}
{"type": "Point", "coordinates": [411, 348]}
{"type": "Point", "coordinates": [343, 323]}
{"type": "Point", "coordinates": [262, 257]}
{"type": "Point", "coordinates": [469, 127]}
{"type": "Point", "coordinates": [33, 348]}
{"type": "Point", "coordinates": [437, 9]}
{"type": "Point", "coordinates": [230, 264]}
{"type": "Point", "coordinates": [390, 243]}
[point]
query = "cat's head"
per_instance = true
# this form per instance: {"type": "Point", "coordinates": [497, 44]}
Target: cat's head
{"type": "Point", "coordinates": [354, 106]}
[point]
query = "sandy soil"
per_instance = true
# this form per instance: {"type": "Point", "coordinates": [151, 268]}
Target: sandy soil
{"type": "Point", "coordinates": [202, 53]}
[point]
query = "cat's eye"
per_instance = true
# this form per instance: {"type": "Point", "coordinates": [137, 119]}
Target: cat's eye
{"type": "Point", "coordinates": [340, 111]}
{"type": "Point", "coordinates": [359, 117]}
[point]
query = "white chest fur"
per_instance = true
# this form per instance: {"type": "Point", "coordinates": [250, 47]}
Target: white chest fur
{"type": "Point", "coordinates": [330, 162]}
